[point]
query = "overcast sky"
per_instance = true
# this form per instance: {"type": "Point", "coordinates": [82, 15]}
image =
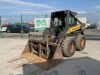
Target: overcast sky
{"type": "Point", "coordinates": [16, 7]}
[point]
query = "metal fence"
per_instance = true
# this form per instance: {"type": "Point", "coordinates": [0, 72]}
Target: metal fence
{"type": "Point", "coordinates": [29, 19]}
{"type": "Point", "coordinates": [18, 20]}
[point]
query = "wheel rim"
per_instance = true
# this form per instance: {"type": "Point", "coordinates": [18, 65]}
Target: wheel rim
{"type": "Point", "coordinates": [82, 44]}
{"type": "Point", "coordinates": [72, 49]}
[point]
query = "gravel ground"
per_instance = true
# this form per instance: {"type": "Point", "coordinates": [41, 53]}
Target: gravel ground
{"type": "Point", "coordinates": [86, 62]}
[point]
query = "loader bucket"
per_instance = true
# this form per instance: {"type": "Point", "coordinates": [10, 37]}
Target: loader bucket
{"type": "Point", "coordinates": [43, 57]}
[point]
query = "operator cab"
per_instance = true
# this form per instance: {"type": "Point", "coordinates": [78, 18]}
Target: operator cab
{"type": "Point", "coordinates": [61, 20]}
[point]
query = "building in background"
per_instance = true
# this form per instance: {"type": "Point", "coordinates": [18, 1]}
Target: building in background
{"type": "Point", "coordinates": [42, 23]}
{"type": "Point", "coordinates": [98, 26]}
{"type": "Point", "coordinates": [83, 19]}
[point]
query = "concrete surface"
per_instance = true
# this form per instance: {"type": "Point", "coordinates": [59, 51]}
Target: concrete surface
{"type": "Point", "coordinates": [86, 62]}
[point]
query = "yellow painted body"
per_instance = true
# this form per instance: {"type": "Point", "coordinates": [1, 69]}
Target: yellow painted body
{"type": "Point", "coordinates": [74, 28]}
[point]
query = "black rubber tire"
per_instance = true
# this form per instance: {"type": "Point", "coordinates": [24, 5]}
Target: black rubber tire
{"type": "Point", "coordinates": [66, 46]}
{"type": "Point", "coordinates": [78, 40]}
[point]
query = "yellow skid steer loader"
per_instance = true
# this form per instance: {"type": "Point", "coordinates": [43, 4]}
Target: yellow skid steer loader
{"type": "Point", "coordinates": [62, 39]}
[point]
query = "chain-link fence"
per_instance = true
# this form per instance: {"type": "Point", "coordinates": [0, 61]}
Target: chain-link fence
{"type": "Point", "coordinates": [18, 26]}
